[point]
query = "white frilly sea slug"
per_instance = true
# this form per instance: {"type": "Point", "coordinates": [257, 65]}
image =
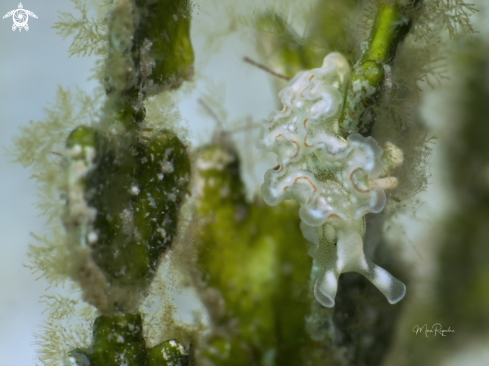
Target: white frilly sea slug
{"type": "Point", "coordinates": [336, 181]}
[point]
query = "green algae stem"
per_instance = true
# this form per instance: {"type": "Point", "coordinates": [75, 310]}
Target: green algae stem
{"type": "Point", "coordinates": [137, 190]}
{"type": "Point", "coordinates": [118, 340]}
{"type": "Point", "coordinates": [137, 206]}
{"type": "Point", "coordinates": [255, 256]}
{"type": "Point", "coordinates": [166, 24]}
{"type": "Point", "coordinates": [136, 194]}
{"type": "Point", "coordinates": [389, 29]}
{"type": "Point", "coordinates": [169, 353]}
{"type": "Point", "coordinates": [149, 51]}
{"type": "Point", "coordinates": [391, 25]}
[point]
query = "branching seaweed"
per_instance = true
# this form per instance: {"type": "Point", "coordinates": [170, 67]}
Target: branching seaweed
{"type": "Point", "coordinates": [89, 35]}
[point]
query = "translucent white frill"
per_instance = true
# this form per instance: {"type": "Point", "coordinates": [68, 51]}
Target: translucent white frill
{"type": "Point", "coordinates": [328, 175]}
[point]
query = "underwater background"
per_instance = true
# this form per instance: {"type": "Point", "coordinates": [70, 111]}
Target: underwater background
{"type": "Point", "coordinates": [437, 240]}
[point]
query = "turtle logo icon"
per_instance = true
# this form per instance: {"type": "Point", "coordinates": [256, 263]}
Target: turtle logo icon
{"type": "Point", "coordinates": [20, 16]}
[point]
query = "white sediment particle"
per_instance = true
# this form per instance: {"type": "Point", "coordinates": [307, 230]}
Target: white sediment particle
{"type": "Point", "coordinates": [74, 152]}
{"type": "Point", "coordinates": [162, 232]}
{"type": "Point", "coordinates": [92, 237]}
{"type": "Point", "coordinates": [79, 212]}
{"type": "Point", "coordinates": [166, 356]}
{"type": "Point", "coordinates": [151, 200]}
{"type": "Point", "coordinates": [135, 190]}
{"type": "Point", "coordinates": [166, 167]}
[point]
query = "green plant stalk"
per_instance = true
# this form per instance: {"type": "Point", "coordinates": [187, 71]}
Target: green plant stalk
{"type": "Point", "coordinates": [167, 26]}
{"type": "Point", "coordinates": [118, 340]}
{"type": "Point", "coordinates": [134, 191]}
{"type": "Point", "coordinates": [255, 256]}
{"type": "Point", "coordinates": [149, 51]}
{"type": "Point", "coordinates": [391, 25]}
{"type": "Point", "coordinates": [124, 195]}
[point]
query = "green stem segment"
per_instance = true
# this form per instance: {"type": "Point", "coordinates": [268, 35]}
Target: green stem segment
{"type": "Point", "coordinates": [149, 51]}
{"type": "Point", "coordinates": [391, 25]}
{"type": "Point", "coordinates": [118, 340]}
{"type": "Point", "coordinates": [124, 196]}
{"type": "Point", "coordinates": [253, 258]}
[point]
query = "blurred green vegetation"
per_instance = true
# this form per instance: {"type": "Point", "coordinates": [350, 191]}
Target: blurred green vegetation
{"type": "Point", "coordinates": [460, 299]}
{"type": "Point", "coordinates": [256, 257]}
